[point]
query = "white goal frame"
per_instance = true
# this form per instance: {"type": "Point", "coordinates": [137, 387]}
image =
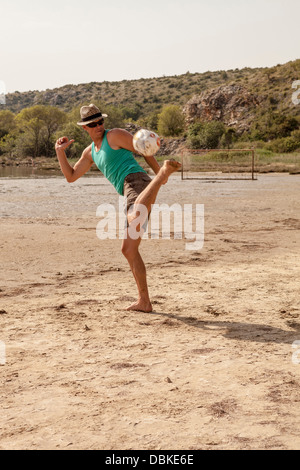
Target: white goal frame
{"type": "Point", "coordinates": [224, 176]}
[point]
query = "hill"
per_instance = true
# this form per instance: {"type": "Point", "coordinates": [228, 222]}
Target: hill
{"type": "Point", "coordinates": [140, 98]}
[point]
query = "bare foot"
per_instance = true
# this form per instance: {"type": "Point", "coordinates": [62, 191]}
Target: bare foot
{"type": "Point", "coordinates": [141, 306]}
{"type": "Point", "coordinates": [169, 167]}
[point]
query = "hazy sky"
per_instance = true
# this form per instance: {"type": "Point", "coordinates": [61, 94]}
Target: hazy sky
{"type": "Point", "coordinates": [46, 44]}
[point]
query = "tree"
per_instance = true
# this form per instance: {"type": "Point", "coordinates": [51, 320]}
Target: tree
{"type": "Point", "coordinates": [37, 126]}
{"type": "Point", "coordinates": [8, 145]}
{"type": "Point", "coordinates": [149, 122]}
{"type": "Point", "coordinates": [53, 119]}
{"type": "Point", "coordinates": [171, 121]}
{"type": "Point", "coordinates": [132, 113]}
{"type": "Point", "coordinates": [7, 122]}
{"type": "Point", "coordinates": [30, 125]}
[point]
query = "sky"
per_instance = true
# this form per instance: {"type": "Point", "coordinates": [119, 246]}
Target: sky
{"type": "Point", "coordinates": [48, 44]}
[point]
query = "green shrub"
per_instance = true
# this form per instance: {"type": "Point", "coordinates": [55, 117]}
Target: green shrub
{"type": "Point", "coordinates": [285, 145]}
{"type": "Point", "coordinates": [206, 135]}
{"type": "Point", "coordinates": [277, 145]}
{"type": "Point", "coordinates": [149, 122]}
{"type": "Point", "coordinates": [273, 125]}
{"type": "Point", "coordinates": [228, 138]}
{"type": "Point", "coordinates": [171, 121]}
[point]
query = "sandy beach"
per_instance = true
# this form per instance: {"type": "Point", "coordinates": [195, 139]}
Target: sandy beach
{"type": "Point", "coordinates": [213, 367]}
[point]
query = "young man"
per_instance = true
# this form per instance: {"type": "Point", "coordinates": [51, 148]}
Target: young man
{"type": "Point", "coordinates": [112, 152]}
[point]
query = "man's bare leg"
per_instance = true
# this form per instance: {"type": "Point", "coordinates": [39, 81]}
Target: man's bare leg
{"type": "Point", "coordinates": [148, 196]}
{"type": "Point", "coordinates": [130, 250]}
{"type": "Point", "coordinates": [130, 247]}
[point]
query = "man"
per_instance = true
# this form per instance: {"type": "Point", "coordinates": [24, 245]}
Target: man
{"type": "Point", "coordinates": [112, 150]}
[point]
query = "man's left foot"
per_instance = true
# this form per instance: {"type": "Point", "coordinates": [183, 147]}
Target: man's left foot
{"type": "Point", "coordinates": [141, 306]}
{"type": "Point", "coordinates": [169, 167]}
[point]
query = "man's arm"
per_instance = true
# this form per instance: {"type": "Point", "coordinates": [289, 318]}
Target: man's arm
{"type": "Point", "coordinates": [80, 168]}
{"type": "Point", "coordinates": [119, 138]}
{"type": "Point", "coordinates": [152, 162]}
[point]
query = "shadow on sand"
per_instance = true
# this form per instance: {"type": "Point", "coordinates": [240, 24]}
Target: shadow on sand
{"type": "Point", "coordinates": [240, 330]}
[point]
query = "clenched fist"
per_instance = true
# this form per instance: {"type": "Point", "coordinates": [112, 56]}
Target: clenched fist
{"type": "Point", "coordinates": [62, 143]}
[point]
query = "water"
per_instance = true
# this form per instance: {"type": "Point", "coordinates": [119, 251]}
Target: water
{"type": "Point", "coordinates": [23, 171]}
{"type": "Point", "coordinates": [27, 172]}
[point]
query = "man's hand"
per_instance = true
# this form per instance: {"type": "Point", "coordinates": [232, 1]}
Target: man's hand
{"type": "Point", "coordinates": [63, 143]}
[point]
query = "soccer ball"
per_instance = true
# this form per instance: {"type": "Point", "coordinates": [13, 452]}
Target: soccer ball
{"type": "Point", "coordinates": [147, 143]}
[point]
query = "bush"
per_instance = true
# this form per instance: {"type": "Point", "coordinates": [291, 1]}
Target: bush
{"type": "Point", "coordinates": [228, 138]}
{"type": "Point", "coordinates": [149, 122]}
{"type": "Point", "coordinates": [171, 121]}
{"type": "Point", "coordinates": [273, 125]}
{"type": "Point", "coordinates": [285, 145]}
{"type": "Point", "coordinates": [206, 135]}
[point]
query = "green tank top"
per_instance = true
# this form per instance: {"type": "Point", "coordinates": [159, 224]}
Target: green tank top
{"type": "Point", "coordinates": [115, 164]}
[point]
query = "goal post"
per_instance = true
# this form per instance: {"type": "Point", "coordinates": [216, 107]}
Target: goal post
{"type": "Point", "coordinates": [212, 164]}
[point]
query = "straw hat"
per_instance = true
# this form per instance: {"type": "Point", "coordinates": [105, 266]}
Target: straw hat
{"type": "Point", "coordinates": [90, 114]}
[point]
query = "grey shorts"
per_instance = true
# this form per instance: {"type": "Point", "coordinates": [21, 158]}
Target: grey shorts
{"type": "Point", "coordinates": [134, 184]}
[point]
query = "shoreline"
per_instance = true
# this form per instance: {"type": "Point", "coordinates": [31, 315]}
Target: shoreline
{"type": "Point", "coordinates": [51, 165]}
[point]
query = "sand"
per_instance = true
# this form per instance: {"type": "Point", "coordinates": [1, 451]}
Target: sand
{"type": "Point", "coordinates": [213, 367]}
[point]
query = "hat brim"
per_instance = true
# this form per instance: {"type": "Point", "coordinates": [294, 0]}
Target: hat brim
{"type": "Point", "coordinates": [85, 123]}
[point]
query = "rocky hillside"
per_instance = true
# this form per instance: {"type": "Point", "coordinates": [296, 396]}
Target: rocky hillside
{"type": "Point", "coordinates": [234, 105]}
{"type": "Point", "coordinates": [223, 94]}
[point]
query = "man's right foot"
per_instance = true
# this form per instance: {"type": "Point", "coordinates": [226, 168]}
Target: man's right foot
{"type": "Point", "coordinates": [141, 306]}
